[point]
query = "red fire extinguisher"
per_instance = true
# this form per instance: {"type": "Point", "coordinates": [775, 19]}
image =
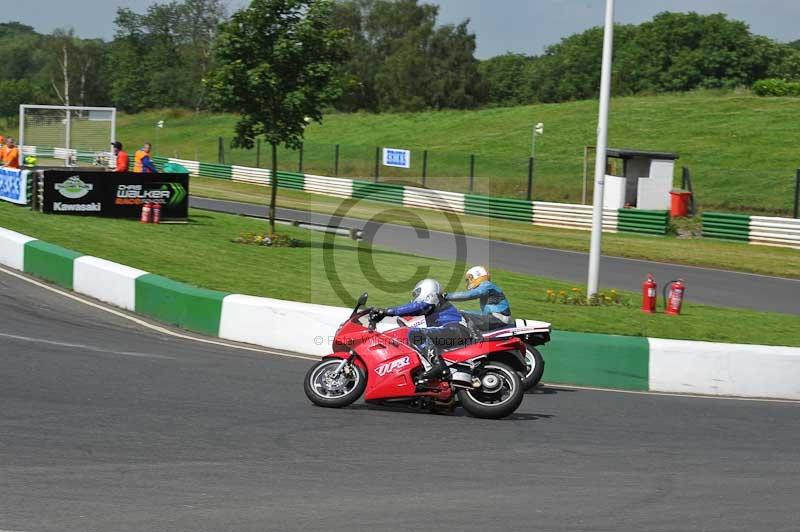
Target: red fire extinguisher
{"type": "Point", "coordinates": [147, 211]}
{"type": "Point", "coordinates": [649, 294]}
{"type": "Point", "coordinates": [674, 301]}
{"type": "Point", "coordinates": [156, 213]}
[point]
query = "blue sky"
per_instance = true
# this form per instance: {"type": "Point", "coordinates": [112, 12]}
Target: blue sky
{"type": "Point", "coordinates": [525, 26]}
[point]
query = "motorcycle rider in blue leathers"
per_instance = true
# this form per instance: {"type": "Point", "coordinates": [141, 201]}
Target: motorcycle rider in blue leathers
{"type": "Point", "coordinates": [445, 328]}
{"type": "Point", "coordinates": [494, 303]}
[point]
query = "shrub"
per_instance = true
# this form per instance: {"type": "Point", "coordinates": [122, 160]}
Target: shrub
{"type": "Point", "coordinates": [577, 297]}
{"type": "Point", "coordinates": [776, 87]}
{"type": "Point", "coordinates": [277, 240]}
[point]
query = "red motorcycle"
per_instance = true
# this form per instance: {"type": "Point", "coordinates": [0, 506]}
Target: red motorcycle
{"type": "Point", "coordinates": [381, 366]}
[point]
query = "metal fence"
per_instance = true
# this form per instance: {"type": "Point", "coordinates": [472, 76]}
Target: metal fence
{"type": "Point", "coordinates": [512, 177]}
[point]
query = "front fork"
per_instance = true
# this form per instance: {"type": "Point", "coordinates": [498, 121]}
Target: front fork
{"type": "Point", "coordinates": [345, 362]}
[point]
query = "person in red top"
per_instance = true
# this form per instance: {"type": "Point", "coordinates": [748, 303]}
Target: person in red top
{"type": "Point", "coordinates": [10, 154]}
{"type": "Point", "coordinates": [122, 157]}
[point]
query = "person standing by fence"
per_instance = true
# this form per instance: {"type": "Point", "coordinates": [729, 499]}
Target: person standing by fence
{"type": "Point", "coordinates": [10, 154]}
{"type": "Point", "coordinates": [142, 163]}
{"type": "Point", "coordinates": [123, 161]}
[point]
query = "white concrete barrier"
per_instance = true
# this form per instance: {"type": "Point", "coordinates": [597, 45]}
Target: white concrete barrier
{"type": "Point", "coordinates": [724, 369]}
{"type": "Point", "coordinates": [571, 216]}
{"type": "Point", "coordinates": [12, 248]}
{"type": "Point", "coordinates": [289, 325]}
{"type": "Point", "coordinates": [330, 186]}
{"type": "Point", "coordinates": [255, 176]}
{"type": "Point", "coordinates": [770, 230]}
{"type": "Point", "coordinates": [107, 281]}
{"type": "Point", "coordinates": [433, 199]}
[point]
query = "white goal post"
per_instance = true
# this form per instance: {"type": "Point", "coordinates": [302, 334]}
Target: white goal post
{"type": "Point", "coordinates": [72, 133]}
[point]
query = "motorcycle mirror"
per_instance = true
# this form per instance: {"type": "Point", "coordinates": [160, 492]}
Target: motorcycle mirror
{"type": "Point", "coordinates": [362, 299]}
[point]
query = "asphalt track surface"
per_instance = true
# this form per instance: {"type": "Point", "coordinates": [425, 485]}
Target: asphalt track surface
{"type": "Point", "coordinates": [705, 285]}
{"type": "Point", "coordinates": [106, 425]}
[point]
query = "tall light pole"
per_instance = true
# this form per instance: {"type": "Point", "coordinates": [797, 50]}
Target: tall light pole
{"type": "Point", "coordinates": [601, 152]}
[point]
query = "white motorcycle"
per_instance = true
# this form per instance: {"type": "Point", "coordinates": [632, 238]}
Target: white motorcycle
{"type": "Point", "coordinates": [532, 332]}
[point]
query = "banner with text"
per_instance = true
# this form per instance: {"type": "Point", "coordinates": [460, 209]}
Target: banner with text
{"type": "Point", "coordinates": [117, 195]}
{"type": "Point", "coordinates": [14, 185]}
{"type": "Point", "coordinates": [396, 158]}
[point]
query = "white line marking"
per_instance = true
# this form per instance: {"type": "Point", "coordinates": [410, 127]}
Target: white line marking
{"type": "Point", "coordinates": [668, 394]}
{"type": "Point", "coordinates": [302, 357]}
{"type": "Point", "coordinates": [150, 326]}
{"type": "Point", "coordinates": [82, 347]}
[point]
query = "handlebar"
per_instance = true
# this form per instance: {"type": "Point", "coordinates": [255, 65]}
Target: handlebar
{"type": "Point", "coordinates": [358, 315]}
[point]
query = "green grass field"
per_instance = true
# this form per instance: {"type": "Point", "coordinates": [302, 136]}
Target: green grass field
{"type": "Point", "coordinates": [202, 253]}
{"type": "Point", "coordinates": [741, 149]}
{"type": "Point", "coordinates": [737, 256]}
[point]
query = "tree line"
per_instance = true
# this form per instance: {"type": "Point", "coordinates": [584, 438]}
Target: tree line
{"type": "Point", "coordinates": [397, 57]}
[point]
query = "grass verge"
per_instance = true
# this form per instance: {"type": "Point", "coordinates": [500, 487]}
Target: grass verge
{"type": "Point", "coordinates": [765, 260]}
{"type": "Point", "coordinates": [740, 148]}
{"type": "Point", "coordinates": [202, 253]}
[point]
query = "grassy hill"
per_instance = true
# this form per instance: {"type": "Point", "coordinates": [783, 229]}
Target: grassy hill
{"type": "Point", "coordinates": [742, 150]}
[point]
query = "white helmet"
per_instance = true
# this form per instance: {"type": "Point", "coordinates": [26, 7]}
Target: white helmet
{"type": "Point", "coordinates": [427, 290]}
{"type": "Point", "coordinates": [476, 275]}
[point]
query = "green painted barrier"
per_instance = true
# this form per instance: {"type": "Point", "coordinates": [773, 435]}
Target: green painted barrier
{"type": "Point", "coordinates": [598, 360]}
{"type": "Point", "coordinates": [493, 207]}
{"type": "Point", "coordinates": [196, 309]}
{"type": "Point", "coordinates": [291, 180]}
{"type": "Point", "coordinates": [643, 221]}
{"type": "Point", "coordinates": [385, 192]}
{"type": "Point", "coordinates": [220, 171]}
{"type": "Point", "coordinates": [50, 262]}
{"type": "Point", "coordinates": [726, 226]}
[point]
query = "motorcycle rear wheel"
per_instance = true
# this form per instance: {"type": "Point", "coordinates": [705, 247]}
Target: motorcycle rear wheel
{"type": "Point", "coordinates": [498, 401]}
{"type": "Point", "coordinates": [534, 368]}
{"type": "Point", "coordinates": [323, 388]}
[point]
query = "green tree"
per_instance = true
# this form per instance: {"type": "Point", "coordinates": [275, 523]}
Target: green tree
{"type": "Point", "coordinates": [508, 79]}
{"type": "Point", "coordinates": [13, 93]}
{"type": "Point", "coordinates": [672, 52]}
{"type": "Point", "coordinates": [400, 59]}
{"type": "Point", "coordinates": [159, 58]}
{"type": "Point", "coordinates": [276, 67]}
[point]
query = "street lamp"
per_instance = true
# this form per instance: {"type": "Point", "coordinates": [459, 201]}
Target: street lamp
{"type": "Point", "coordinates": [601, 153]}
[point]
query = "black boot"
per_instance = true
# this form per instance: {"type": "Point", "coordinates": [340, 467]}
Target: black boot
{"type": "Point", "coordinates": [438, 368]}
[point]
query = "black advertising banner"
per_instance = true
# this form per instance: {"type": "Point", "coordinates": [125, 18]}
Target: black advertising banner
{"type": "Point", "coordinates": [113, 194]}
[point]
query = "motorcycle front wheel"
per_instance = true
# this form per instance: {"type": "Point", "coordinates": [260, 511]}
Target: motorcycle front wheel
{"type": "Point", "coordinates": [324, 387]}
{"type": "Point", "coordinates": [534, 368]}
{"type": "Point", "coordinates": [500, 394]}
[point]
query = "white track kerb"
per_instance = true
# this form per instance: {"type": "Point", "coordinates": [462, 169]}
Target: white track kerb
{"type": "Point", "coordinates": [648, 365]}
{"type": "Point", "coordinates": [12, 248]}
{"type": "Point", "coordinates": [106, 281]}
